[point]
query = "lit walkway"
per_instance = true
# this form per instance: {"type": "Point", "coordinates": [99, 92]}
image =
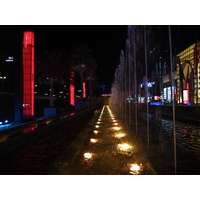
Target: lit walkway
{"type": "Point", "coordinates": [108, 151]}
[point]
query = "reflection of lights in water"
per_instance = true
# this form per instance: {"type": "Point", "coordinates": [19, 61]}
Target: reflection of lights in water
{"type": "Point", "coordinates": [88, 155]}
{"type": "Point", "coordinates": [114, 120]}
{"type": "Point", "coordinates": [120, 135]}
{"type": "Point", "coordinates": [115, 124]}
{"type": "Point", "coordinates": [97, 126]}
{"type": "Point", "coordinates": [117, 128]}
{"type": "Point", "coordinates": [98, 122]}
{"type": "Point", "coordinates": [124, 146]}
{"type": "Point", "coordinates": [95, 131]}
{"type": "Point", "coordinates": [134, 169]}
{"type": "Point", "coordinates": [99, 119]}
{"type": "Point", "coordinates": [93, 140]}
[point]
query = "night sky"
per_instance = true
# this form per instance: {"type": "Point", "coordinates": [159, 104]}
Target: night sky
{"type": "Point", "coordinates": [105, 41]}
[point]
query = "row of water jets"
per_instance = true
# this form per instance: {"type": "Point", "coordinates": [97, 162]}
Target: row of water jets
{"type": "Point", "coordinates": [125, 85]}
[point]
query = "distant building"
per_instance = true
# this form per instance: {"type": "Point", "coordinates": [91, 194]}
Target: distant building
{"type": "Point", "coordinates": [185, 77]}
{"type": "Point", "coordinates": [188, 73]}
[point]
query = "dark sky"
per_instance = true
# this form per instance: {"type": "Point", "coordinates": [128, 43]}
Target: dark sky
{"type": "Point", "coordinates": [105, 41]}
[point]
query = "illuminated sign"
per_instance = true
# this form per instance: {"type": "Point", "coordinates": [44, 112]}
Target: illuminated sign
{"type": "Point", "coordinates": [156, 97]}
{"type": "Point", "coordinates": [185, 96]}
{"type": "Point", "coordinates": [10, 59]}
{"type": "Point", "coordinates": [149, 84]}
{"type": "Point", "coordinates": [129, 99]}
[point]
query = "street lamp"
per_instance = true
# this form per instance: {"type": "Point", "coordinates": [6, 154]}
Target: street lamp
{"type": "Point", "coordinates": [2, 78]}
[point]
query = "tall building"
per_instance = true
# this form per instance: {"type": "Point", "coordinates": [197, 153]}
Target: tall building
{"type": "Point", "coordinates": [188, 73]}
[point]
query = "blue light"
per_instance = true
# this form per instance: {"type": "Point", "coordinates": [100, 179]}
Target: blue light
{"type": "Point", "coordinates": [157, 103]}
{"type": "Point", "coordinates": [5, 125]}
{"type": "Point", "coordinates": [0, 122]}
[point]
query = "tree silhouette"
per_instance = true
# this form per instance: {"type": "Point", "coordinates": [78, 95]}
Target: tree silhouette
{"type": "Point", "coordinates": [50, 69]}
{"type": "Point", "coordinates": [81, 60]}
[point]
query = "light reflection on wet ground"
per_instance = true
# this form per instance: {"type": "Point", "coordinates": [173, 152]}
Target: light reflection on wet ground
{"type": "Point", "coordinates": [110, 154]}
{"type": "Point", "coordinates": [38, 156]}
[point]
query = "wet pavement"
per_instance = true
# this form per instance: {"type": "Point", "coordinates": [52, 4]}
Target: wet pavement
{"type": "Point", "coordinates": [38, 156]}
{"type": "Point", "coordinates": [79, 149]}
{"type": "Point", "coordinates": [108, 150]}
{"type": "Point", "coordinates": [98, 143]}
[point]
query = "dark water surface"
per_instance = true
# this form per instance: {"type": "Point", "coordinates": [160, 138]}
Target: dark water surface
{"type": "Point", "coordinates": [162, 144]}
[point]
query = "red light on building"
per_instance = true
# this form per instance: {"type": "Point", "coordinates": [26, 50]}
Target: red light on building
{"type": "Point", "coordinates": [84, 89]}
{"type": "Point", "coordinates": [156, 98]}
{"type": "Point", "coordinates": [185, 96]}
{"type": "Point", "coordinates": [28, 75]}
{"type": "Point", "coordinates": [72, 90]}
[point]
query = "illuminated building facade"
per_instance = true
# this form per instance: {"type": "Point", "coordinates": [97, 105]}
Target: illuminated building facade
{"type": "Point", "coordinates": [188, 73]}
{"type": "Point", "coordinates": [28, 75]}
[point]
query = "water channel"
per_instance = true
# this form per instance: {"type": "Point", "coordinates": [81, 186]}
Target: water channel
{"type": "Point", "coordinates": [161, 144]}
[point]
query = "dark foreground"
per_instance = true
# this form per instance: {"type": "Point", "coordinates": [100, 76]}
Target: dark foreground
{"type": "Point", "coordinates": [61, 151]}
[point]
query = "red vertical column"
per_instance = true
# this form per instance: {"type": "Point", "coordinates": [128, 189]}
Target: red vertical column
{"type": "Point", "coordinates": [84, 89]}
{"type": "Point", "coordinates": [28, 75]}
{"type": "Point", "coordinates": [72, 90]}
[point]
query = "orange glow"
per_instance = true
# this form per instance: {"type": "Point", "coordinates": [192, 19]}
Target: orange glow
{"type": "Point", "coordinates": [117, 128]}
{"type": "Point", "coordinates": [124, 146]}
{"type": "Point", "coordinates": [93, 140]}
{"type": "Point", "coordinates": [135, 169]}
{"type": "Point", "coordinates": [120, 135]}
{"type": "Point", "coordinates": [87, 155]}
{"type": "Point", "coordinates": [28, 75]}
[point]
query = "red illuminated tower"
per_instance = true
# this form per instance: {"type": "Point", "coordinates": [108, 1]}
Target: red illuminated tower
{"type": "Point", "coordinates": [72, 90]}
{"type": "Point", "coordinates": [28, 75]}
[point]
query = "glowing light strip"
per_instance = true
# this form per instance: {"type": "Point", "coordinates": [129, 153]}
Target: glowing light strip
{"type": "Point", "coordinates": [84, 89]}
{"type": "Point", "coordinates": [72, 90]}
{"type": "Point", "coordinates": [5, 125]}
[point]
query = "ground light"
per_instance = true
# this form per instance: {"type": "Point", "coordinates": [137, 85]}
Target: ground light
{"type": "Point", "coordinates": [88, 155]}
{"type": "Point", "coordinates": [95, 131]}
{"type": "Point", "coordinates": [115, 124]}
{"type": "Point", "coordinates": [124, 146]}
{"type": "Point", "coordinates": [116, 128]}
{"type": "Point", "coordinates": [134, 169]}
{"type": "Point", "coordinates": [97, 126]}
{"type": "Point", "coordinates": [93, 140]}
{"type": "Point", "coordinates": [120, 135]}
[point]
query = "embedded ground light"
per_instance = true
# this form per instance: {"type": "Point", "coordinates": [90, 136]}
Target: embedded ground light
{"type": "Point", "coordinates": [88, 155]}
